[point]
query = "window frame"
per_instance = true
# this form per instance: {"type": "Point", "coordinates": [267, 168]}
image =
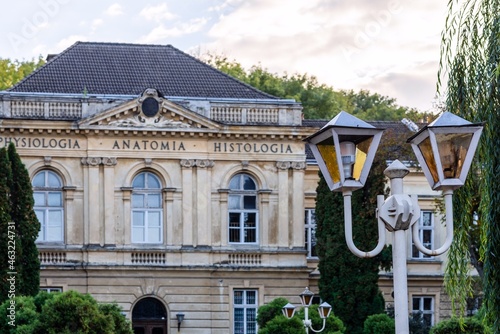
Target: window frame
{"type": "Point", "coordinates": [46, 190]}
{"type": "Point", "coordinates": [239, 195]}
{"type": "Point", "coordinates": [421, 301]}
{"type": "Point", "coordinates": [246, 307]}
{"type": "Point", "coordinates": [310, 226]}
{"type": "Point", "coordinates": [421, 230]}
{"type": "Point", "coordinates": [146, 210]}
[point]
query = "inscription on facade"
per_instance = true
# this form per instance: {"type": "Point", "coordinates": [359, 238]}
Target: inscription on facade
{"type": "Point", "coordinates": [23, 142]}
{"type": "Point", "coordinates": [153, 145]}
{"type": "Point", "coordinates": [148, 145]}
{"type": "Point", "coordinates": [252, 148]}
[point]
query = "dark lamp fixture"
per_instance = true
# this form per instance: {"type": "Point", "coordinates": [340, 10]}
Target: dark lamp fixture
{"type": "Point", "coordinates": [180, 319]}
{"type": "Point", "coordinates": [344, 150]}
{"type": "Point", "coordinates": [324, 310]}
{"type": "Point", "coordinates": [444, 150]}
{"type": "Point", "coordinates": [306, 297]}
{"type": "Point", "coordinates": [288, 310]}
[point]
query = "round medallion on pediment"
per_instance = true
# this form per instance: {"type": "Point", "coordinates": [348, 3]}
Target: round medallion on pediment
{"type": "Point", "coordinates": [150, 107]}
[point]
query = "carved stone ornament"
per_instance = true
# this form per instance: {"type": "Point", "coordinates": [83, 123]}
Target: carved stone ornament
{"type": "Point", "coordinates": [283, 165]}
{"type": "Point", "coordinates": [149, 114]}
{"type": "Point", "coordinates": [109, 161]}
{"type": "Point", "coordinates": [299, 165]}
{"type": "Point", "coordinates": [204, 163]}
{"type": "Point", "coordinates": [91, 161]}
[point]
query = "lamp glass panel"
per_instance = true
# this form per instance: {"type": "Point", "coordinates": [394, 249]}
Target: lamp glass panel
{"type": "Point", "coordinates": [362, 149]}
{"type": "Point", "coordinates": [327, 150]}
{"type": "Point", "coordinates": [426, 150]}
{"type": "Point", "coordinates": [453, 149]}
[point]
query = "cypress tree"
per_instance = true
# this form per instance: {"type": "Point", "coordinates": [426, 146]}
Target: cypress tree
{"type": "Point", "coordinates": [5, 180]}
{"type": "Point", "coordinates": [349, 283]}
{"type": "Point", "coordinates": [27, 226]}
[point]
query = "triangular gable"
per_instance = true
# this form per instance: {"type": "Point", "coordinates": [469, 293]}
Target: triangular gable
{"type": "Point", "coordinates": [149, 111]}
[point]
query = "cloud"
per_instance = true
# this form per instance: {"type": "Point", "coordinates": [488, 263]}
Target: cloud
{"type": "Point", "coordinates": [160, 33]}
{"type": "Point", "coordinates": [70, 40]}
{"type": "Point", "coordinates": [114, 10]}
{"type": "Point", "coordinates": [157, 13]}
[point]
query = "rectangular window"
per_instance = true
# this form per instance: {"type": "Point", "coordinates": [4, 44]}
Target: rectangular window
{"type": "Point", "coordinates": [147, 226]}
{"type": "Point", "coordinates": [423, 306]}
{"type": "Point", "coordinates": [310, 230]}
{"type": "Point", "coordinates": [425, 234]}
{"type": "Point", "coordinates": [245, 311]}
{"type": "Point", "coordinates": [51, 289]}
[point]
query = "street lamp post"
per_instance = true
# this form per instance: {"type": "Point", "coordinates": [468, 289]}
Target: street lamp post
{"type": "Point", "coordinates": [306, 298]}
{"type": "Point", "coordinates": [344, 150]}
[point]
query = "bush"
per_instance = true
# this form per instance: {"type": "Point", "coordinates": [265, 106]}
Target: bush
{"type": "Point", "coordinates": [270, 311]}
{"type": "Point", "coordinates": [63, 313]}
{"type": "Point", "coordinates": [379, 324]}
{"type": "Point", "coordinates": [470, 325]}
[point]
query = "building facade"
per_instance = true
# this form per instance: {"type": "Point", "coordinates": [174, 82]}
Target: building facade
{"type": "Point", "coordinates": [170, 188]}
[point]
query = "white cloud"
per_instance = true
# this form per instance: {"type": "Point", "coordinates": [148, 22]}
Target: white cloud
{"type": "Point", "coordinates": [114, 10]}
{"type": "Point", "coordinates": [70, 40]}
{"type": "Point", "coordinates": [157, 13]}
{"type": "Point", "coordinates": [160, 33]}
{"type": "Point", "coordinates": [96, 23]}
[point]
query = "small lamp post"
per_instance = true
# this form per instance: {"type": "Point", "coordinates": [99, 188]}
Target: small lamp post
{"type": "Point", "coordinates": [444, 149]}
{"type": "Point", "coordinates": [306, 298]}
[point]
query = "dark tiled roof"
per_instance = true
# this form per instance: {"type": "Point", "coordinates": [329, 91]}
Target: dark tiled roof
{"type": "Point", "coordinates": [128, 69]}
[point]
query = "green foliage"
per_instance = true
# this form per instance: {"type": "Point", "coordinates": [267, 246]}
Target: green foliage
{"type": "Point", "coordinates": [349, 283]}
{"type": "Point", "coordinates": [470, 325]}
{"type": "Point", "coordinates": [19, 317]}
{"type": "Point", "coordinates": [5, 181]}
{"type": "Point", "coordinates": [282, 325]}
{"type": "Point", "coordinates": [269, 311]}
{"type": "Point", "coordinates": [11, 72]}
{"type": "Point", "coordinates": [379, 324]}
{"type": "Point", "coordinates": [62, 313]}
{"type": "Point", "coordinates": [27, 226]}
{"type": "Point", "coordinates": [272, 321]}
{"type": "Point", "coordinates": [470, 54]}
{"type": "Point", "coordinates": [318, 100]}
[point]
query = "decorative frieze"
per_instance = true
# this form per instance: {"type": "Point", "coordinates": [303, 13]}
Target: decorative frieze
{"type": "Point", "coordinates": [202, 163]}
{"type": "Point", "coordinates": [297, 165]}
{"type": "Point", "coordinates": [96, 161]}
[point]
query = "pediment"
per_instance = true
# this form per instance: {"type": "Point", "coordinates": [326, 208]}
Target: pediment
{"type": "Point", "coordinates": [148, 112]}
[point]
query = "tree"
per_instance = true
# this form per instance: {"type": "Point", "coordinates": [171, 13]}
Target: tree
{"type": "Point", "coordinates": [349, 283]}
{"type": "Point", "coordinates": [11, 72]}
{"type": "Point", "coordinates": [318, 100]}
{"type": "Point", "coordinates": [27, 226]}
{"type": "Point", "coordinates": [5, 181]}
{"type": "Point", "coordinates": [470, 57]}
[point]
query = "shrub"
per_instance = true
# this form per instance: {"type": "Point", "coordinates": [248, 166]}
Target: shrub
{"type": "Point", "coordinates": [379, 324]}
{"type": "Point", "coordinates": [470, 325]}
{"type": "Point", "coordinates": [270, 311]}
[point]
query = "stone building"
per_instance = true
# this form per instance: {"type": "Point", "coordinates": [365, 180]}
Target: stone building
{"type": "Point", "coordinates": [170, 188]}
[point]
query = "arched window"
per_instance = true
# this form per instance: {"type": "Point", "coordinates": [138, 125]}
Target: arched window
{"type": "Point", "coordinates": [147, 226]}
{"type": "Point", "coordinates": [48, 196]}
{"type": "Point", "coordinates": [243, 213]}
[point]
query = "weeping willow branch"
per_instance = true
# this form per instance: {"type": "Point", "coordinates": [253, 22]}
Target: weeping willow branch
{"type": "Point", "coordinates": [469, 72]}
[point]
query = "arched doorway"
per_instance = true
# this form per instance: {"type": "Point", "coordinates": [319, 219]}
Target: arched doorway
{"type": "Point", "coordinates": [149, 316]}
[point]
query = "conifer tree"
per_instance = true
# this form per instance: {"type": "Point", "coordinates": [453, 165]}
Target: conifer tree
{"type": "Point", "coordinates": [5, 180]}
{"type": "Point", "coordinates": [347, 282]}
{"type": "Point", "coordinates": [27, 226]}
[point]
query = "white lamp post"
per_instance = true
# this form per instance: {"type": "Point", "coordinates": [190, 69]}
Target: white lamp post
{"type": "Point", "coordinates": [306, 298]}
{"type": "Point", "coordinates": [444, 149]}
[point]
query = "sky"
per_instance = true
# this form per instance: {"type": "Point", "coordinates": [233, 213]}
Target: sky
{"type": "Point", "coordinates": [389, 47]}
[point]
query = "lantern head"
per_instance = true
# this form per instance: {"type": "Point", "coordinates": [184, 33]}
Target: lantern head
{"type": "Point", "coordinates": [344, 150]}
{"type": "Point", "coordinates": [444, 150]}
